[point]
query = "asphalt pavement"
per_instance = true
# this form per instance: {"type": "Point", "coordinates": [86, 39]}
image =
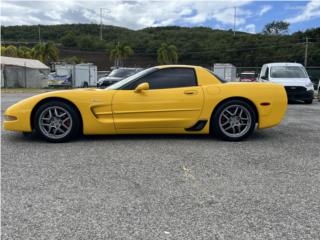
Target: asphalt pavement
{"type": "Point", "coordinates": [164, 186]}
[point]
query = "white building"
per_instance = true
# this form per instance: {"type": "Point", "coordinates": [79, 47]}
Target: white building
{"type": "Point", "coordinates": [23, 73]}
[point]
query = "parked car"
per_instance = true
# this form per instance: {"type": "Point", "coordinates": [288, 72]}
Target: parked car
{"type": "Point", "coordinates": [248, 76]}
{"type": "Point", "coordinates": [293, 76]}
{"type": "Point", "coordinates": [177, 99]}
{"type": "Point", "coordinates": [116, 75]}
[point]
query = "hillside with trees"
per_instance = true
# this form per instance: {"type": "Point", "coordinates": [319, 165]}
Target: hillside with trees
{"type": "Point", "coordinates": [196, 45]}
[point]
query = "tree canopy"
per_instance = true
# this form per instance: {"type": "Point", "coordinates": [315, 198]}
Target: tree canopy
{"type": "Point", "coordinates": [195, 45]}
{"type": "Point", "coordinates": [276, 28]}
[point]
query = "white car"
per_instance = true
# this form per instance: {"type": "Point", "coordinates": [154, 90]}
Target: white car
{"type": "Point", "coordinates": [293, 76]}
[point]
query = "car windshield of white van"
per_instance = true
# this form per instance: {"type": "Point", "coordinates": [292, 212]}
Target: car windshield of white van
{"type": "Point", "coordinates": [287, 72]}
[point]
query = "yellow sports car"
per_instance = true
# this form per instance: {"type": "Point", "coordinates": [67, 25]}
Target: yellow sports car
{"type": "Point", "coordinates": [177, 99]}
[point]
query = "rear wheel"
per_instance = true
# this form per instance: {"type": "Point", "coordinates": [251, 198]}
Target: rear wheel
{"type": "Point", "coordinates": [57, 121]}
{"type": "Point", "coordinates": [234, 120]}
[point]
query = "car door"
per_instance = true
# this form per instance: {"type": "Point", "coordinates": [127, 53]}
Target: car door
{"type": "Point", "coordinates": [174, 100]}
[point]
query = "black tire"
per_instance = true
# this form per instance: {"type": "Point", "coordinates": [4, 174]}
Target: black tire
{"type": "Point", "coordinates": [74, 122]}
{"type": "Point", "coordinates": [30, 135]}
{"type": "Point", "coordinates": [216, 126]}
{"type": "Point", "coordinates": [309, 101]}
{"type": "Point", "coordinates": [85, 85]}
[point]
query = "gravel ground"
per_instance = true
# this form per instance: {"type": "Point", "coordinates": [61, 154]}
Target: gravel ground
{"type": "Point", "coordinates": [165, 187]}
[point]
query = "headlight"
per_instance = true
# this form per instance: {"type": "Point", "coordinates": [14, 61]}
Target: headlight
{"type": "Point", "coordinates": [309, 84]}
{"type": "Point", "coordinates": [9, 118]}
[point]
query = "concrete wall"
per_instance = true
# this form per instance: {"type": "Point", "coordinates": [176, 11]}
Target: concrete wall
{"type": "Point", "coordinates": [21, 77]}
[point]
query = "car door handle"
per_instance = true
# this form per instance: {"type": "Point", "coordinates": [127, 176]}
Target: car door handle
{"type": "Point", "coordinates": [190, 92]}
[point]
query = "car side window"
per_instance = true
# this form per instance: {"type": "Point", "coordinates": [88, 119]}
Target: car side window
{"type": "Point", "coordinates": [168, 78]}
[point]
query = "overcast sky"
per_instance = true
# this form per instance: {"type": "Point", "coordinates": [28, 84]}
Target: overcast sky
{"type": "Point", "coordinates": [251, 15]}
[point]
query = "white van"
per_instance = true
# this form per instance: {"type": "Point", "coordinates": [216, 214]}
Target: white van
{"type": "Point", "coordinates": [293, 76]}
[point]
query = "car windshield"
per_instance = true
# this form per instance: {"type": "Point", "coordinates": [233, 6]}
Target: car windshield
{"type": "Point", "coordinates": [122, 73]}
{"type": "Point", "coordinates": [125, 81]}
{"type": "Point", "coordinates": [287, 72]}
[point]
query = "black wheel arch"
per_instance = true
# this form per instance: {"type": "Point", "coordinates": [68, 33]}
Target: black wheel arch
{"type": "Point", "coordinates": [45, 100]}
{"type": "Point", "coordinates": [248, 101]}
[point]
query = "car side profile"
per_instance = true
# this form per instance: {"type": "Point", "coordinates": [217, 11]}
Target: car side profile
{"type": "Point", "coordinates": [177, 99]}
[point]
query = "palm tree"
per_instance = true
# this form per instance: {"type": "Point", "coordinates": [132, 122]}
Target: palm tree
{"type": "Point", "coordinates": [120, 53]}
{"type": "Point", "coordinates": [167, 54]}
{"type": "Point", "coordinates": [45, 52]}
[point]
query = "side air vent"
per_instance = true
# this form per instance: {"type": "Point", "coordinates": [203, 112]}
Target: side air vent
{"type": "Point", "coordinates": [198, 126]}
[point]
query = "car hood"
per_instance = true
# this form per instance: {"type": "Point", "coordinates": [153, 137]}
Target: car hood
{"type": "Point", "coordinates": [291, 81]}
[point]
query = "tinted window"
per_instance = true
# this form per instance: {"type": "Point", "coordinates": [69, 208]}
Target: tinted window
{"type": "Point", "coordinates": [127, 81]}
{"type": "Point", "coordinates": [168, 78]}
{"type": "Point", "coordinates": [287, 72]}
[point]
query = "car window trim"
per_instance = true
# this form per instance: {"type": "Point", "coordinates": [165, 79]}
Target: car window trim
{"type": "Point", "coordinates": [159, 69]}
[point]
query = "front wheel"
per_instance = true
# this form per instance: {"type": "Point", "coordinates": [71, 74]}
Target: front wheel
{"type": "Point", "coordinates": [233, 120]}
{"type": "Point", "coordinates": [309, 101]}
{"type": "Point", "coordinates": [56, 121]}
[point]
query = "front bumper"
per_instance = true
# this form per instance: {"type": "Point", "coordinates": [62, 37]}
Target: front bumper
{"type": "Point", "coordinates": [17, 117]}
{"type": "Point", "coordinates": [299, 93]}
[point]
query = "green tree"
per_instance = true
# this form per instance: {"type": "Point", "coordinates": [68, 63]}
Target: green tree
{"type": "Point", "coordinates": [45, 52]}
{"type": "Point", "coordinates": [167, 54]}
{"type": "Point", "coordinates": [276, 28]}
{"type": "Point", "coordinates": [10, 51]}
{"type": "Point", "coordinates": [24, 52]}
{"type": "Point", "coordinates": [86, 42]}
{"type": "Point", "coordinates": [3, 49]}
{"type": "Point", "coordinates": [69, 40]}
{"type": "Point", "coordinates": [74, 60]}
{"type": "Point", "coordinates": [120, 53]}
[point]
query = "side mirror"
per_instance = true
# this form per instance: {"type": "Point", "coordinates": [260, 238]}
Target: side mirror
{"type": "Point", "coordinates": [141, 87]}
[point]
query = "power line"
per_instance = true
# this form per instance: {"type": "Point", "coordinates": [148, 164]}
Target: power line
{"type": "Point", "coordinates": [234, 21]}
{"type": "Point", "coordinates": [101, 20]}
{"type": "Point", "coordinates": [306, 53]}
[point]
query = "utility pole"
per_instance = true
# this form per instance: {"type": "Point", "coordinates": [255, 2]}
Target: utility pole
{"type": "Point", "coordinates": [234, 21]}
{"type": "Point", "coordinates": [306, 53]}
{"type": "Point", "coordinates": [101, 24]}
{"type": "Point", "coordinates": [39, 33]}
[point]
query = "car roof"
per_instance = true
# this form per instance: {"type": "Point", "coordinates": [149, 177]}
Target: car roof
{"type": "Point", "coordinates": [283, 64]}
{"type": "Point", "coordinates": [177, 65]}
{"type": "Point", "coordinates": [125, 68]}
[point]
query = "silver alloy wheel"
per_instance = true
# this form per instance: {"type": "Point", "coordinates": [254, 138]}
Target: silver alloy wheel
{"type": "Point", "coordinates": [55, 122]}
{"type": "Point", "coordinates": [235, 121]}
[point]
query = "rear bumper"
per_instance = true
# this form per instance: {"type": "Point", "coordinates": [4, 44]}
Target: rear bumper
{"type": "Point", "coordinates": [271, 115]}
